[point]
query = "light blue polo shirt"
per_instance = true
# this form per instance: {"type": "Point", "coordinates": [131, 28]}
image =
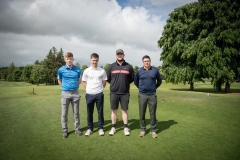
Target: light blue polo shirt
{"type": "Point", "coordinates": [70, 77]}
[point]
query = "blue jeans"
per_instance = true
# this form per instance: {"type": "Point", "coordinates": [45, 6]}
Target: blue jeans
{"type": "Point", "coordinates": [68, 97]}
{"type": "Point", "coordinates": [91, 99]}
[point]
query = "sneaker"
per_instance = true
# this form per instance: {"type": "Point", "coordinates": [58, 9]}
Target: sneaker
{"type": "Point", "coordinates": [101, 132]}
{"type": "Point", "coordinates": [65, 134]}
{"type": "Point", "coordinates": [88, 133]}
{"type": "Point", "coordinates": [78, 132]}
{"type": "Point", "coordinates": [142, 134]}
{"type": "Point", "coordinates": [113, 131]}
{"type": "Point", "coordinates": [154, 134]}
{"type": "Point", "coordinates": [126, 131]}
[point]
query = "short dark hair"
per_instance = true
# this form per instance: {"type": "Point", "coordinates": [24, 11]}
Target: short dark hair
{"type": "Point", "coordinates": [94, 55]}
{"type": "Point", "coordinates": [146, 56]}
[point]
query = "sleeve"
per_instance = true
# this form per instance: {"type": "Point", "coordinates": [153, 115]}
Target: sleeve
{"type": "Point", "coordinates": [104, 76]}
{"type": "Point", "coordinates": [80, 73]}
{"type": "Point", "coordinates": [59, 74]}
{"type": "Point", "coordinates": [84, 75]}
{"type": "Point", "coordinates": [159, 79]}
{"type": "Point", "coordinates": [136, 79]}
{"type": "Point", "coordinates": [131, 78]}
{"type": "Point", "coordinates": [109, 74]}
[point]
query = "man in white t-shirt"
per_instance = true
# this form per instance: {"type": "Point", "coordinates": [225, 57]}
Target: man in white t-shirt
{"type": "Point", "coordinates": [94, 80]}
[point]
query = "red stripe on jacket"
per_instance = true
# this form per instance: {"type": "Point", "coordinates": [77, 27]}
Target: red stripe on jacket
{"type": "Point", "coordinates": [120, 71]}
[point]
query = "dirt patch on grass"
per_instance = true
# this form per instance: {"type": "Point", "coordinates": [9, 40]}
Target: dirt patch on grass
{"type": "Point", "coordinates": [192, 99]}
{"type": "Point", "coordinates": [234, 94]}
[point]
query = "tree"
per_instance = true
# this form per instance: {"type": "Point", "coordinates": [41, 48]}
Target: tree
{"type": "Point", "coordinates": [78, 65]}
{"type": "Point", "coordinates": [52, 62]}
{"type": "Point", "coordinates": [106, 66]}
{"type": "Point", "coordinates": [135, 69]}
{"type": "Point", "coordinates": [84, 67]}
{"type": "Point", "coordinates": [27, 73]}
{"type": "Point", "coordinates": [201, 40]}
{"type": "Point", "coordinates": [4, 73]}
{"type": "Point", "coordinates": [16, 74]}
{"type": "Point", "coordinates": [10, 71]}
{"type": "Point", "coordinates": [38, 74]}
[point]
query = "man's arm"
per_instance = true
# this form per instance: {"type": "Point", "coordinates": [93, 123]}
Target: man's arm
{"type": "Point", "coordinates": [109, 74]}
{"type": "Point", "coordinates": [79, 81]}
{"type": "Point", "coordinates": [60, 82]}
{"type": "Point", "coordinates": [84, 84]}
{"type": "Point", "coordinates": [104, 83]}
{"type": "Point", "coordinates": [136, 80]}
{"type": "Point", "coordinates": [159, 79]}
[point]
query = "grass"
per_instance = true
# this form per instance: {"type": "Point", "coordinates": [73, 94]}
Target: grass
{"type": "Point", "coordinates": [191, 125]}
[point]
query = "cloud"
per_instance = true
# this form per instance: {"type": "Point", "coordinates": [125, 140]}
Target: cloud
{"type": "Point", "coordinates": [30, 28]}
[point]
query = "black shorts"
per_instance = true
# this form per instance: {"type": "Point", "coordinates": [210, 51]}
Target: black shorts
{"type": "Point", "coordinates": [122, 98]}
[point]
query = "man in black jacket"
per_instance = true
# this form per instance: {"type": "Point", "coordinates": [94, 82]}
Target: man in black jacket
{"type": "Point", "coordinates": [120, 75]}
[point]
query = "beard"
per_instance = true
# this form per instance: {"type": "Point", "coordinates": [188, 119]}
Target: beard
{"type": "Point", "coordinates": [120, 60]}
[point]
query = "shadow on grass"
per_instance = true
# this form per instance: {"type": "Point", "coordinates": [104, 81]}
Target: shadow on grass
{"type": "Point", "coordinates": [132, 124]}
{"type": "Point", "coordinates": [208, 90]}
{"type": "Point", "coordinates": [163, 125]}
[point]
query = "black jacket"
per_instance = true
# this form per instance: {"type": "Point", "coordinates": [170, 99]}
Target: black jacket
{"type": "Point", "coordinates": [120, 77]}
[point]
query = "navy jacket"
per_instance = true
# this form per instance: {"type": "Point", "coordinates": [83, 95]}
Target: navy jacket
{"type": "Point", "coordinates": [147, 80]}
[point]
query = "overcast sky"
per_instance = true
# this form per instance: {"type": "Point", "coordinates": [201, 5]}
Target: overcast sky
{"type": "Point", "coordinates": [30, 28]}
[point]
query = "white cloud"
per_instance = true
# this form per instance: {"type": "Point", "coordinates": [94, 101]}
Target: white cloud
{"type": "Point", "coordinates": [29, 29]}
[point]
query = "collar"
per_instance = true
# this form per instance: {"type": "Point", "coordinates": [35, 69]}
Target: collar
{"type": "Point", "coordinates": [147, 68]}
{"type": "Point", "coordinates": [119, 64]}
{"type": "Point", "coordinates": [66, 66]}
{"type": "Point", "coordinates": [93, 68]}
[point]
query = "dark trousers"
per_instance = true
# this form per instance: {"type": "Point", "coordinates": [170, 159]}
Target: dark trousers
{"type": "Point", "coordinates": [91, 99]}
{"type": "Point", "coordinates": [151, 101]}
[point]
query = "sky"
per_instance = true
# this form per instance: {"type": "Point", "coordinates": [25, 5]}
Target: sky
{"type": "Point", "coordinates": [30, 28]}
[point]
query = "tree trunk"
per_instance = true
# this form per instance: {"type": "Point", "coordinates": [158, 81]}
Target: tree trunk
{"type": "Point", "coordinates": [227, 87]}
{"type": "Point", "coordinates": [191, 86]}
{"type": "Point", "coordinates": [219, 85]}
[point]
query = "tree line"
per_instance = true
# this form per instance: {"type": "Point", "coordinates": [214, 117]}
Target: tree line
{"type": "Point", "coordinates": [44, 71]}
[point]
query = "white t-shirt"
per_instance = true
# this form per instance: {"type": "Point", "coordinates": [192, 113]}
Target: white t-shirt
{"type": "Point", "coordinates": [94, 78]}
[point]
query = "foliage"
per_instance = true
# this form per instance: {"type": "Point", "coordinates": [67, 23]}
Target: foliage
{"type": "Point", "coordinates": [135, 69]}
{"type": "Point", "coordinates": [78, 65]}
{"type": "Point", "coordinates": [84, 67]}
{"type": "Point", "coordinates": [27, 73]}
{"type": "Point", "coordinates": [53, 61]}
{"type": "Point", "coordinates": [106, 66]}
{"type": "Point", "coordinates": [10, 71]}
{"type": "Point", "coordinates": [201, 40]}
{"type": "Point", "coordinates": [38, 74]}
{"type": "Point", "coordinates": [16, 74]}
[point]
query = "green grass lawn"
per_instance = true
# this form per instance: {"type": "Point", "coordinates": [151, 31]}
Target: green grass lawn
{"type": "Point", "coordinates": [191, 125]}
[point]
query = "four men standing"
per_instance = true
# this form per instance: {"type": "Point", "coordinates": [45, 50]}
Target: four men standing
{"type": "Point", "coordinates": [120, 75]}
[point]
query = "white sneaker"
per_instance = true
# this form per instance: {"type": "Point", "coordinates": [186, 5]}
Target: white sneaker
{"type": "Point", "coordinates": [113, 131]}
{"type": "Point", "coordinates": [126, 131]}
{"type": "Point", "coordinates": [101, 132]}
{"type": "Point", "coordinates": [88, 133]}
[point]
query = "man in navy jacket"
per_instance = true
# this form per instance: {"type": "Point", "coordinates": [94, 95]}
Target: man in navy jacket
{"type": "Point", "coordinates": [147, 80]}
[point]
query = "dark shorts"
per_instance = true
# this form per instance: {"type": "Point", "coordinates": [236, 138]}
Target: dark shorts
{"type": "Point", "coordinates": [122, 98]}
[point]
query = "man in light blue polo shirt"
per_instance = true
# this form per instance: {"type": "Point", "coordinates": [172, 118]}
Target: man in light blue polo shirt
{"type": "Point", "coordinates": [69, 77]}
{"type": "Point", "coordinates": [94, 80]}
